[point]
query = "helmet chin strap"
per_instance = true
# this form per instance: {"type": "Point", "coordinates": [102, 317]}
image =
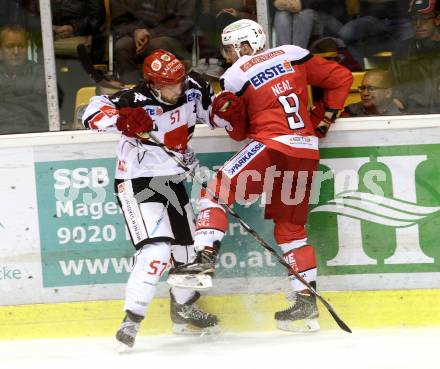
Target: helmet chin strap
{"type": "Point", "coordinates": [157, 94]}
{"type": "Point", "coordinates": [237, 50]}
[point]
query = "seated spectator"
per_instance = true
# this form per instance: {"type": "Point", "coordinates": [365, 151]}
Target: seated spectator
{"type": "Point", "coordinates": [338, 52]}
{"type": "Point", "coordinates": [141, 26]}
{"type": "Point", "coordinates": [229, 11]}
{"type": "Point", "coordinates": [213, 18]}
{"type": "Point", "coordinates": [77, 22]}
{"type": "Point", "coordinates": [376, 96]}
{"type": "Point", "coordinates": [296, 21]}
{"type": "Point", "coordinates": [23, 106]}
{"type": "Point", "coordinates": [415, 64]}
{"type": "Point", "coordinates": [380, 24]}
{"type": "Point", "coordinates": [24, 13]}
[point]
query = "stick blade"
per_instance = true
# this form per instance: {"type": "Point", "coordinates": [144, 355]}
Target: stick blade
{"type": "Point", "coordinates": [335, 316]}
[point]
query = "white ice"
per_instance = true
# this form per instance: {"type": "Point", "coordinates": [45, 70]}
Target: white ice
{"type": "Point", "coordinates": [364, 349]}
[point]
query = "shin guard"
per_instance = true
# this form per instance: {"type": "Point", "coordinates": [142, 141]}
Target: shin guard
{"type": "Point", "coordinates": [303, 261]}
{"type": "Point", "coordinates": [211, 226]}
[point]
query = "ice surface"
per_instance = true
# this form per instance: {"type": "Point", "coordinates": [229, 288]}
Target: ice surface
{"type": "Point", "coordinates": [364, 349]}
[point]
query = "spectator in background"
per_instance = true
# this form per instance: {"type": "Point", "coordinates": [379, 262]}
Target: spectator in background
{"type": "Point", "coordinates": [376, 96]}
{"type": "Point", "coordinates": [213, 18]}
{"type": "Point", "coordinates": [141, 26]}
{"type": "Point", "coordinates": [24, 13]}
{"type": "Point", "coordinates": [20, 12]}
{"type": "Point", "coordinates": [229, 11]}
{"type": "Point", "coordinates": [380, 24]}
{"type": "Point", "coordinates": [77, 22]}
{"type": "Point", "coordinates": [296, 21]}
{"type": "Point", "coordinates": [23, 107]}
{"type": "Point", "coordinates": [415, 64]}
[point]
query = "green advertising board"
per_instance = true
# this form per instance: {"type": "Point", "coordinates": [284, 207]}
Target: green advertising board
{"type": "Point", "coordinates": [374, 210]}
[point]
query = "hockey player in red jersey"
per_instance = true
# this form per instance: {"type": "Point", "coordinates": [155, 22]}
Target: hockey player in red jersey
{"type": "Point", "coordinates": [149, 184]}
{"type": "Point", "coordinates": [265, 99]}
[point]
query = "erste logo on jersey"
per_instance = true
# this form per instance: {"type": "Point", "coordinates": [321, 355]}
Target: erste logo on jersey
{"type": "Point", "coordinates": [153, 110]}
{"type": "Point", "coordinates": [194, 95]}
{"type": "Point", "coordinates": [261, 78]}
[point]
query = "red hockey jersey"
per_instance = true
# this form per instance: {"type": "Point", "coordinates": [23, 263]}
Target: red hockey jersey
{"type": "Point", "coordinates": [273, 86]}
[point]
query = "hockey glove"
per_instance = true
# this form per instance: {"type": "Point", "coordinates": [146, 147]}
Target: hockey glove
{"type": "Point", "coordinates": [133, 122]}
{"type": "Point", "coordinates": [319, 120]}
{"type": "Point", "coordinates": [322, 128]}
{"type": "Point", "coordinates": [228, 107]}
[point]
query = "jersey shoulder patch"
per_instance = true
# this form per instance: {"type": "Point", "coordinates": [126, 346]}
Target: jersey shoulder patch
{"type": "Point", "coordinates": [199, 89]}
{"type": "Point", "coordinates": [133, 97]}
{"type": "Point", "coordinates": [295, 53]}
{"type": "Point", "coordinates": [234, 79]}
{"type": "Point", "coordinates": [195, 80]}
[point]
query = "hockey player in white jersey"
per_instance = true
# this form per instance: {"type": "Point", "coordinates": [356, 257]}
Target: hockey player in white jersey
{"type": "Point", "coordinates": [149, 186]}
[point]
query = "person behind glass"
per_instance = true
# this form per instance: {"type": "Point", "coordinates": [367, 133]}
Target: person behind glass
{"type": "Point", "coordinates": [142, 26]}
{"type": "Point", "coordinates": [229, 11]}
{"type": "Point", "coordinates": [25, 13]}
{"type": "Point", "coordinates": [23, 107]}
{"type": "Point", "coordinates": [415, 64]}
{"type": "Point", "coordinates": [296, 21]}
{"type": "Point", "coordinates": [149, 184]}
{"type": "Point", "coordinates": [213, 17]}
{"type": "Point", "coordinates": [377, 28]}
{"type": "Point", "coordinates": [376, 96]}
{"type": "Point", "coordinates": [74, 21]}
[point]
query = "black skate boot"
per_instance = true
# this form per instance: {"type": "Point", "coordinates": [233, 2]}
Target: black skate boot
{"type": "Point", "coordinates": [197, 274]}
{"type": "Point", "coordinates": [126, 334]}
{"type": "Point", "coordinates": [301, 317]}
{"type": "Point", "coordinates": [188, 318]}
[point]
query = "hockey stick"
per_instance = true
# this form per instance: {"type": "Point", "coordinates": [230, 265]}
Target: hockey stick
{"type": "Point", "coordinates": [249, 229]}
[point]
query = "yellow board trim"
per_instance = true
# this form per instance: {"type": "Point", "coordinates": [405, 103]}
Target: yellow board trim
{"type": "Point", "coordinates": [361, 309]}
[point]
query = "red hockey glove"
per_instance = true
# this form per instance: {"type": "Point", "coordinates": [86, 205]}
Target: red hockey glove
{"type": "Point", "coordinates": [134, 121]}
{"type": "Point", "coordinates": [322, 128]}
{"type": "Point", "coordinates": [228, 107]}
{"type": "Point", "coordinates": [319, 120]}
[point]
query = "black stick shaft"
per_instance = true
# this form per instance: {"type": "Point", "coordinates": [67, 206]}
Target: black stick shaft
{"type": "Point", "coordinates": [248, 228]}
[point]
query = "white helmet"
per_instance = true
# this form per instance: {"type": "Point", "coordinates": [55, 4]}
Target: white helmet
{"type": "Point", "coordinates": [244, 30]}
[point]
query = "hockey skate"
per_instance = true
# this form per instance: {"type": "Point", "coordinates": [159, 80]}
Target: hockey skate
{"type": "Point", "coordinates": [188, 318]}
{"type": "Point", "coordinates": [126, 334]}
{"type": "Point", "coordinates": [301, 317]}
{"type": "Point", "coordinates": [197, 274]}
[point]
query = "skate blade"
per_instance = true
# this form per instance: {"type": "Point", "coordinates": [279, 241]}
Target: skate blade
{"type": "Point", "coordinates": [299, 326]}
{"type": "Point", "coordinates": [193, 281]}
{"type": "Point", "coordinates": [192, 330]}
{"type": "Point", "coordinates": [122, 348]}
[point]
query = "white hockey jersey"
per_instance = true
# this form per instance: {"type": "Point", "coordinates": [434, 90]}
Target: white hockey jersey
{"type": "Point", "coordinates": [173, 125]}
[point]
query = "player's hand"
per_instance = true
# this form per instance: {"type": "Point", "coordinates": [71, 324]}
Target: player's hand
{"type": "Point", "coordinates": [63, 31]}
{"type": "Point", "coordinates": [226, 104]}
{"type": "Point", "coordinates": [231, 11]}
{"type": "Point", "coordinates": [228, 111]}
{"type": "Point", "coordinates": [134, 122]}
{"type": "Point", "coordinates": [323, 126]}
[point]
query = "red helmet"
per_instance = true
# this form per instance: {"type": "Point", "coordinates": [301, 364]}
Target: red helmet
{"type": "Point", "coordinates": [163, 68]}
